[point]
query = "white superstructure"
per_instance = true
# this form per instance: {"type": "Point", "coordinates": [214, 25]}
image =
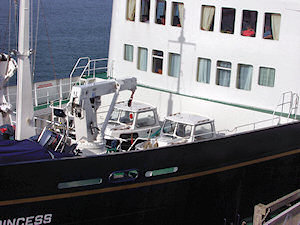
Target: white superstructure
{"type": "Point", "coordinates": [195, 56]}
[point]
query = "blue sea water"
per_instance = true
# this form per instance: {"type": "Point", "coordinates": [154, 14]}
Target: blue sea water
{"type": "Point", "coordinates": [74, 28]}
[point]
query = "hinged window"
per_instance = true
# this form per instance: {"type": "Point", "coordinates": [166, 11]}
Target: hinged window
{"type": "Point", "coordinates": [157, 63]}
{"type": "Point", "coordinates": [223, 73]}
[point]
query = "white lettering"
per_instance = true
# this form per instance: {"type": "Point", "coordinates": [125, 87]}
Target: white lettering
{"type": "Point", "coordinates": [13, 222]}
{"type": "Point", "coordinates": [38, 220]}
{"type": "Point", "coordinates": [47, 218]}
{"type": "Point", "coordinates": [29, 220]}
{"type": "Point", "coordinates": [19, 219]}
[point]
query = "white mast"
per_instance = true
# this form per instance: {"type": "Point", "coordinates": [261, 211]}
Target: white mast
{"type": "Point", "coordinates": [24, 128]}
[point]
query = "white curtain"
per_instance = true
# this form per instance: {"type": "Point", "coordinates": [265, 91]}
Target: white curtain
{"type": "Point", "coordinates": [128, 53]}
{"type": "Point", "coordinates": [174, 69]}
{"type": "Point", "coordinates": [266, 76]}
{"type": "Point", "coordinates": [208, 13]}
{"type": "Point", "coordinates": [181, 12]}
{"type": "Point", "coordinates": [143, 58]}
{"type": "Point", "coordinates": [275, 23]}
{"type": "Point", "coordinates": [203, 70]}
{"type": "Point", "coordinates": [131, 10]}
{"type": "Point", "coordinates": [224, 77]}
{"type": "Point", "coordinates": [245, 77]}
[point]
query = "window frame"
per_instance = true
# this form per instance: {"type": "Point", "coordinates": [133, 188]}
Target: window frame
{"type": "Point", "coordinates": [163, 19]}
{"type": "Point", "coordinates": [223, 68]}
{"type": "Point", "coordinates": [227, 31]}
{"type": "Point", "coordinates": [212, 25]}
{"type": "Point", "coordinates": [127, 10]}
{"type": "Point", "coordinates": [259, 76]}
{"type": "Point", "coordinates": [249, 28]}
{"type": "Point", "coordinates": [180, 20]}
{"type": "Point", "coordinates": [157, 57]}
{"type": "Point", "coordinates": [198, 70]}
{"type": "Point", "coordinates": [139, 59]}
{"type": "Point", "coordinates": [125, 51]}
{"type": "Point", "coordinates": [144, 18]}
{"type": "Point", "coordinates": [238, 84]}
{"type": "Point", "coordinates": [170, 65]}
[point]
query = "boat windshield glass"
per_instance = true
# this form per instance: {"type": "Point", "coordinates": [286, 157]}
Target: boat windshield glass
{"type": "Point", "coordinates": [126, 117]}
{"type": "Point", "coordinates": [115, 114]}
{"type": "Point", "coordinates": [169, 127]}
{"type": "Point", "coordinates": [183, 130]}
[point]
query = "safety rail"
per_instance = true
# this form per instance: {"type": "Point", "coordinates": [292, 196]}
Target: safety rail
{"type": "Point", "coordinates": [254, 126]}
{"type": "Point", "coordinates": [288, 105]}
{"type": "Point", "coordinates": [44, 93]}
{"type": "Point", "coordinates": [88, 68]}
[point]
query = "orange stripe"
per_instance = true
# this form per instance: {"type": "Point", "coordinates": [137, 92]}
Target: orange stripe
{"type": "Point", "coordinates": [147, 183]}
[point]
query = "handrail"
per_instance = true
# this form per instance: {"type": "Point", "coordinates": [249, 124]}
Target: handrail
{"type": "Point", "coordinates": [76, 67]}
{"type": "Point", "coordinates": [254, 124]}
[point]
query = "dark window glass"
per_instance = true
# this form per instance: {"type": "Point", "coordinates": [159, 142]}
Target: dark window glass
{"type": "Point", "coordinates": [249, 23]}
{"type": "Point", "coordinates": [157, 64]}
{"type": "Point", "coordinates": [228, 18]}
{"type": "Point", "coordinates": [177, 14]}
{"type": "Point", "coordinates": [160, 12]}
{"type": "Point", "coordinates": [145, 10]}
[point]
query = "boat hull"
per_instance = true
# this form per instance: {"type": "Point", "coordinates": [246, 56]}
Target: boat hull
{"type": "Point", "coordinates": [215, 180]}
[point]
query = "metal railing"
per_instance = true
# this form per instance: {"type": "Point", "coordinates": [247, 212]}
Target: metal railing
{"type": "Point", "coordinates": [88, 68]}
{"type": "Point", "coordinates": [288, 105]}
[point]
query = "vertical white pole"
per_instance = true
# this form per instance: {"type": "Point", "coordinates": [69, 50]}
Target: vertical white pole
{"type": "Point", "coordinates": [24, 120]}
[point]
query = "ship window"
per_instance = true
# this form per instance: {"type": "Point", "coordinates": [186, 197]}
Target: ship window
{"type": "Point", "coordinates": [177, 14]}
{"type": "Point", "coordinates": [128, 52]}
{"type": "Point", "coordinates": [227, 22]}
{"type": "Point", "coordinates": [244, 78]}
{"type": "Point", "coordinates": [272, 26]}
{"type": "Point", "coordinates": [203, 131]}
{"type": "Point", "coordinates": [157, 64]}
{"type": "Point", "coordinates": [203, 74]}
{"type": "Point", "coordinates": [249, 23]}
{"type": "Point", "coordinates": [169, 127]}
{"type": "Point", "coordinates": [79, 183]}
{"type": "Point", "coordinates": [160, 12]}
{"type": "Point", "coordinates": [174, 65]}
{"type": "Point", "coordinates": [223, 73]}
{"type": "Point", "coordinates": [207, 18]}
{"type": "Point", "coordinates": [115, 115]}
{"type": "Point", "coordinates": [145, 9]}
{"type": "Point", "coordinates": [158, 172]}
{"type": "Point", "coordinates": [126, 117]}
{"type": "Point", "coordinates": [183, 130]}
{"type": "Point", "coordinates": [266, 76]}
{"type": "Point", "coordinates": [145, 119]}
{"type": "Point", "coordinates": [142, 59]}
{"type": "Point", "coordinates": [123, 176]}
{"type": "Point", "coordinates": [130, 15]}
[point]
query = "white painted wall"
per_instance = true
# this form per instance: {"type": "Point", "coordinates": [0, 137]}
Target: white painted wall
{"type": "Point", "coordinates": [283, 55]}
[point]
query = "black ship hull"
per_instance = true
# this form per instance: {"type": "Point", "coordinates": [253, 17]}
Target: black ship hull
{"type": "Point", "coordinates": [211, 182]}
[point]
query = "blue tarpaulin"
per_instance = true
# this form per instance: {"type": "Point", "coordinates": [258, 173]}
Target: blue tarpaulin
{"type": "Point", "coordinates": [26, 150]}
